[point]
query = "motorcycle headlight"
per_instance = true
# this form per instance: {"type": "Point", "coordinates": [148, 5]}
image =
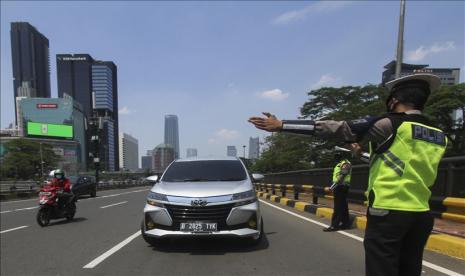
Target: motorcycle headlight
{"type": "Point", "coordinates": [155, 198]}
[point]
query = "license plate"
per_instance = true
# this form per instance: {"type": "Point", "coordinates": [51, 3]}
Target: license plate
{"type": "Point", "coordinates": [198, 226]}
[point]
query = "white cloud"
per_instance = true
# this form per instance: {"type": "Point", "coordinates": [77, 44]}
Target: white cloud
{"type": "Point", "coordinates": [422, 52]}
{"type": "Point", "coordinates": [327, 80]}
{"type": "Point", "coordinates": [317, 7]}
{"type": "Point", "coordinates": [224, 135]}
{"type": "Point", "coordinates": [125, 111]}
{"type": "Point", "coordinates": [274, 95]}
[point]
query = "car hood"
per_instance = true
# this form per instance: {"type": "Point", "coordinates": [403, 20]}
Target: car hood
{"type": "Point", "coordinates": [202, 189]}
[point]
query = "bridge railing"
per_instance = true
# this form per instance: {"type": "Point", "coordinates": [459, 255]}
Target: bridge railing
{"type": "Point", "coordinates": [28, 188]}
{"type": "Point", "coordinates": [448, 192]}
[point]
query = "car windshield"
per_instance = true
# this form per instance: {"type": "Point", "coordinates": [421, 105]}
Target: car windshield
{"type": "Point", "coordinates": [211, 170]}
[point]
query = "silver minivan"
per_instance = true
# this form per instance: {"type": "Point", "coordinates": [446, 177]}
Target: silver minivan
{"type": "Point", "coordinates": [208, 197]}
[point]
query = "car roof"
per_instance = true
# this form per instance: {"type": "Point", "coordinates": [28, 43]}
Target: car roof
{"type": "Point", "coordinates": [193, 159]}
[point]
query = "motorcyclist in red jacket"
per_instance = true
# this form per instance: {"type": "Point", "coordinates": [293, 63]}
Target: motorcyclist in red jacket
{"type": "Point", "coordinates": [59, 180]}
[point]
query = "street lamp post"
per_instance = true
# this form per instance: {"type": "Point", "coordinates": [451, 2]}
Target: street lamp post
{"type": "Point", "coordinates": [41, 161]}
{"type": "Point", "coordinates": [244, 150]}
{"type": "Point", "coordinates": [400, 40]}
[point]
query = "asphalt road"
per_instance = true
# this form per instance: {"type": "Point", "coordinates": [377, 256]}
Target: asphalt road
{"type": "Point", "coordinates": [104, 239]}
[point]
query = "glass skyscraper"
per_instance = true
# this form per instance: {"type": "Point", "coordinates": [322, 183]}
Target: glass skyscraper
{"type": "Point", "coordinates": [31, 64]}
{"type": "Point", "coordinates": [231, 151]}
{"type": "Point", "coordinates": [172, 133]}
{"type": "Point", "coordinates": [254, 148]}
{"type": "Point", "coordinates": [93, 83]}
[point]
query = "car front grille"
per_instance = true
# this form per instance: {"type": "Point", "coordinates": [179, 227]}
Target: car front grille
{"type": "Point", "coordinates": [216, 213]}
{"type": "Point", "coordinates": [205, 213]}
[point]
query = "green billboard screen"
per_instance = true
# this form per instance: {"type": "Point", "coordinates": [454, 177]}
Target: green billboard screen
{"type": "Point", "coordinates": [41, 129]}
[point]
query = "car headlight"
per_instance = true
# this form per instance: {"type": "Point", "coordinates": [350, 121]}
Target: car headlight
{"type": "Point", "coordinates": [244, 195]}
{"type": "Point", "coordinates": [155, 198]}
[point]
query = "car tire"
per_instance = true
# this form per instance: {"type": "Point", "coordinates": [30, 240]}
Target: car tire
{"type": "Point", "coordinates": [93, 193]}
{"type": "Point", "coordinates": [150, 240]}
{"type": "Point", "coordinates": [257, 241]}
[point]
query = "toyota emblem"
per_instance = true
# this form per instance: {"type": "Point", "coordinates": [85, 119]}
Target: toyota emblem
{"type": "Point", "coordinates": [199, 202]}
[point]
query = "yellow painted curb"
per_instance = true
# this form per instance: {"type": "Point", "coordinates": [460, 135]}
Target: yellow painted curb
{"type": "Point", "coordinates": [454, 217]}
{"type": "Point", "coordinates": [272, 198]}
{"type": "Point", "coordinates": [290, 186]}
{"type": "Point", "coordinates": [324, 212]}
{"type": "Point", "coordinates": [284, 201]}
{"type": "Point", "coordinates": [299, 205]}
{"type": "Point", "coordinates": [454, 201]}
{"type": "Point", "coordinates": [445, 244]}
{"type": "Point", "coordinates": [361, 222]}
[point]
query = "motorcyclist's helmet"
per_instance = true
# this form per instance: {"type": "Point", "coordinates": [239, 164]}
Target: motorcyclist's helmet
{"type": "Point", "coordinates": [58, 174]}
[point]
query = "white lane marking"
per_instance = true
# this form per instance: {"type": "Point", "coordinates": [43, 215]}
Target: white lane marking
{"type": "Point", "coordinates": [136, 191]}
{"type": "Point", "coordinates": [114, 204]}
{"type": "Point", "coordinates": [425, 263]}
{"type": "Point", "coordinates": [22, 200]}
{"type": "Point", "coordinates": [13, 229]}
{"type": "Point", "coordinates": [16, 210]}
{"type": "Point", "coordinates": [441, 269]}
{"type": "Point", "coordinates": [110, 252]}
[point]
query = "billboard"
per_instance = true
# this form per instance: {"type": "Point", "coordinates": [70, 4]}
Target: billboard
{"type": "Point", "coordinates": [52, 130]}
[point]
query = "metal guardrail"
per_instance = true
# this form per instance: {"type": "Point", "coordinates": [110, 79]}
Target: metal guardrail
{"type": "Point", "coordinates": [19, 186]}
{"type": "Point", "coordinates": [449, 182]}
{"type": "Point", "coordinates": [32, 187]}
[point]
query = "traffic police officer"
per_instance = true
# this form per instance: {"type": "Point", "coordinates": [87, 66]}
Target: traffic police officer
{"type": "Point", "coordinates": [405, 153]}
{"type": "Point", "coordinates": [340, 187]}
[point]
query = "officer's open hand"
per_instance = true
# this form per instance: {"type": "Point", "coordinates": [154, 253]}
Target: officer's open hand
{"type": "Point", "coordinates": [356, 149]}
{"type": "Point", "coordinates": [268, 123]}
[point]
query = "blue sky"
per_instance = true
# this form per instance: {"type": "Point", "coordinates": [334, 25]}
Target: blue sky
{"type": "Point", "coordinates": [214, 64]}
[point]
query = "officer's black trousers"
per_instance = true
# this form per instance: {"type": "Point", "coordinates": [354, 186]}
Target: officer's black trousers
{"type": "Point", "coordinates": [341, 210]}
{"type": "Point", "coordinates": [394, 243]}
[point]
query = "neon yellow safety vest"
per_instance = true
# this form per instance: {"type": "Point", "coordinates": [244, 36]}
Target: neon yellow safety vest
{"type": "Point", "coordinates": [337, 172]}
{"type": "Point", "coordinates": [400, 177]}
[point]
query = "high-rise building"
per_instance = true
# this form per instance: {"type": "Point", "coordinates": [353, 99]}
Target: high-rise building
{"type": "Point", "coordinates": [31, 64]}
{"type": "Point", "coordinates": [163, 155]}
{"type": "Point", "coordinates": [74, 77]}
{"type": "Point", "coordinates": [172, 133]}
{"type": "Point", "coordinates": [146, 162]}
{"type": "Point", "coordinates": [93, 84]}
{"type": "Point", "coordinates": [231, 151]}
{"type": "Point", "coordinates": [449, 76]}
{"type": "Point", "coordinates": [128, 152]}
{"type": "Point", "coordinates": [191, 152]}
{"type": "Point", "coordinates": [254, 148]}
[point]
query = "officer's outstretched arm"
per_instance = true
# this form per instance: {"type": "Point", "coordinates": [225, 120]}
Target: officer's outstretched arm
{"type": "Point", "coordinates": [344, 131]}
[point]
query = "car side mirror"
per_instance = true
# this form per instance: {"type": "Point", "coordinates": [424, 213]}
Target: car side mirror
{"type": "Point", "coordinates": [153, 178]}
{"type": "Point", "coordinates": [257, 176]}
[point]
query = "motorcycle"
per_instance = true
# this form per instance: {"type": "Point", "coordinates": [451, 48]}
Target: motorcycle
{"type": "Point", "coordinates": [50, 208]}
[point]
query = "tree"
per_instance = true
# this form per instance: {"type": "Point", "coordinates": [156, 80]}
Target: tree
{"type": "Point", "coordinates": [440, 107]}
{"type": "Point", "coordinates": [23, 159]}
{"type": "Point", "coordinates": [284, 152]}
